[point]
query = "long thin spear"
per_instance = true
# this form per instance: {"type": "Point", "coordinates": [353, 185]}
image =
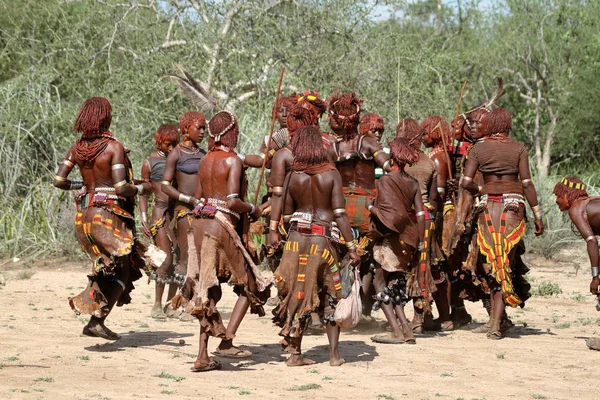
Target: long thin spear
{"type": "Point", "coordinates": [448, 159]}
{"type": "Point", "coordinates": [462, 92]}
{"type": "Point", "coordinates": [273, 116]}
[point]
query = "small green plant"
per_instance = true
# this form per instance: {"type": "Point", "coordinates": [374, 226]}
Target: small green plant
{"type": "Point", "coordinates": [446, 374]}
{"type": "Point", "coordinates": [564, 325]}
{"type": "Point", "coordinates": [301, 388]}
{"type": "Point", "coordinates": [578, 297]}
{"type": "Point", "coordinates": [167, 392]}
{"type": "Point", "coordinates": [244, 392]}
{"type": "Point", "coordinates": [84, 358]}
{"type": "Point", "coordinates": [326, 378]}
{"type": "Point", "coordinates": [500, 356]}
{"type": "Point", "coordinates": [313, 371]}
{"type": "Point", "coordinates": [386, 397]}
{"type": "Point", "coordinates": [144, 325]}
{"type": "Point", "coordinates": [12, 358]}
{"type": "Point", "coordinates": [25, 274]}
{"type": "Point", "coordinates": [538, 396]}
{"type": "Point", "coordinates": [165, 375]}
{"type": "Point", "coordinates": [46, 379]}
{"type": "Point", "coordinates": [547, 289]}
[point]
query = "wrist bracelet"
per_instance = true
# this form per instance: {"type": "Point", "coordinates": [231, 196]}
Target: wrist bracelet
{"type": "Point", "coordinates": [144, 216]}
{"type": "Point", "coordinates": [252, 209]}
{"type": "Point", "coordinates": [75, 185]}
{"type": "Point", "coordinates": [184, 198]}
{"type": "Point", "coordinates": [140, 189]}
{"type": "Point", "coordinates": [59, 178]}
{"type": "Point", "coordinates": [351, 245]}
{"type": "Point", "coordinates": [595, 272]}
{"type": "Point", "coordinates": [538, 213]}
{"type": "Point", "coordinates": [242, 157]}
{"type": "Point", "coordinates": [273, 225]}
{"type": "Point", "coordinates": [370, 207]}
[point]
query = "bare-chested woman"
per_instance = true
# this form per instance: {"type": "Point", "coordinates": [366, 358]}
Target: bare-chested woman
{"type": "Point", "coordinates": [308, 276]}
{"type": "Point", "coordinates": [217, 253]}
{"type": "Point", "coordinates": [104, 222]}
{"type": "Point", "coordinates": [160, 230]}
{"type": "Point", "coordinates": [584, 212]}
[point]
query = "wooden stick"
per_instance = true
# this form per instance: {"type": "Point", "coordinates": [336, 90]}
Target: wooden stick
{"type": "Point", "coordinates": [273, 116]}
{"type": "Point", "coordinates": [462, 92]}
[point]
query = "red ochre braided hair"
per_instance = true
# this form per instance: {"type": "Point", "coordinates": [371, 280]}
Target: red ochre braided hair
{"type": "Point", "coordinates": [223, 130]}
{"type": "Point", "coordinates": [307, 146]}
{"type": "Point", "coordinates": [94, 117]}
{"type": "Point", "coordinates": [166, 133]}
{"type": "Point", "coordinates": [299, 117]}
{"type": "Point", "coordinates": [345, 108]}
{"type": "Point", "coordinates": [498, 121]}
{"type": "Point", "coordinates": [403, 153]}
{"type": "Point", "coordinates": [408, 128]}
{"type": "Point", "coordinates": [312, 101]}
{"type": "Point", "coordinates": [93, 121]}
{"type": "Point", "coordinates": [188, 119]}
{"type": "Point", "coordinates": [369, 122]}
{"type": "Point", "coordinates": [571, 188]}
{"type": "Point", "coordinates": [437, 126]}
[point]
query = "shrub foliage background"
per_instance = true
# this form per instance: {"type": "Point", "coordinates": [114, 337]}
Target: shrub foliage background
{"type": "Point", "coordinates": [404, 58]}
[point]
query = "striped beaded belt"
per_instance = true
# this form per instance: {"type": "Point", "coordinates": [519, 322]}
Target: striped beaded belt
{"type": "Point", "coordinates": [98, 198]}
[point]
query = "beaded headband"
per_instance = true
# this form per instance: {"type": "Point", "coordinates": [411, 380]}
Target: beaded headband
{"type": "Point", "coordinates": [572, 185]}
{"type": "Point", "coordinates": [308, 95]}
{"type": "Point", "coordinates": [217, 137]}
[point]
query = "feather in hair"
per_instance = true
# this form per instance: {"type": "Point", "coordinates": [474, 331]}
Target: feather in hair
{"type": "Point", "coordinates": [500, 91]}
{"type": "Point", "coordinates": [195, 92]}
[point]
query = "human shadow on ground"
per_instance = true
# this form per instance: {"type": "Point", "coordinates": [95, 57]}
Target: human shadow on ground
{"type": "Point", "coordinates": [141, 339]}
{"type": "Point", "coordinates": [272, 353]}
{"type": "Point", "coordinates": [520, 331]}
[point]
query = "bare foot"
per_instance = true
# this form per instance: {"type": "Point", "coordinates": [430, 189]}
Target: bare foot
{"type": "Point", "coordinates": [157, 312]}
{"type": "Point", "coordinates": [298, 360]}
{"type": "Point", "coordinates": [336, 362]}
{"type": "Point", "coordinates": [186, 317]}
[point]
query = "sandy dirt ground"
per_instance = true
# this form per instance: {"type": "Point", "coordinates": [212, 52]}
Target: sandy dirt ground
{"type": "Point", "coordinates": [44, 356]}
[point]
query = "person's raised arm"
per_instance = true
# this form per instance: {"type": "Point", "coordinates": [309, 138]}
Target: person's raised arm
{"type": "Point", "coordinates": [338, 204]}
{"type": "Point", "coordinates": [64, 169]}
{"type": "Point", "coordinates": [372, 146]}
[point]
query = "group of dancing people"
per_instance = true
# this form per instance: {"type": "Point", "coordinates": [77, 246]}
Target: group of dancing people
{"type": "Point", "coordinates": [442, 227]}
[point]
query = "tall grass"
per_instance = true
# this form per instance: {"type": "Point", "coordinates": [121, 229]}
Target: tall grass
{"type": "Point", "coordinates": [36, 220]}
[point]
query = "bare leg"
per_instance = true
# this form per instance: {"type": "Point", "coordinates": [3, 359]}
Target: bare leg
{"type": "Point", "coordinates": [498, 309]}
{"type": "Point", "coordinates": [237, 315]}
{"type": "Point", "coordinates": [112, 289]}
{"type": "Point", "coordinates": [297, 359]}
{"type": "Point", "coordinates": [162, 241]}
{"type": "Point", "coordinates": [333, 335]}
{"type": "Point", "coordinates": [367, 293]}
{"type": "Point", "coordinates": [388, 310]}
{"type": "Point", "coordinates": [442, 301]}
